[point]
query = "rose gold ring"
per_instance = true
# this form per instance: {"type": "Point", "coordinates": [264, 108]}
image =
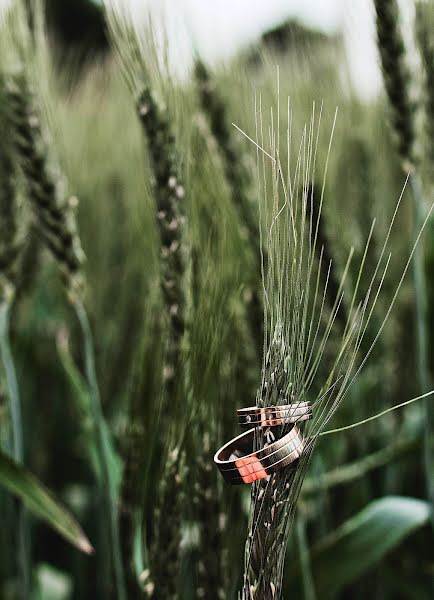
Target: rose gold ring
{"type": "Point", "coordinates": [272, 416]}
{"type": "Point", "coordinates": [238, 463]}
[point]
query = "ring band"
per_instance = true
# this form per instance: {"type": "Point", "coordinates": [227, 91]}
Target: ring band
{"type": "Point", "coordinates": [238, 463]}
{"type": "Point", "coordinates": [272, 416]}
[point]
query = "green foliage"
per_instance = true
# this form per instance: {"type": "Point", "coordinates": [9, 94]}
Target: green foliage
{"type": "Point", "coordinates": [40, 501]}
{"type": "Point", "coordinates": [362, 542]}
{"type": "Point", "coordinates": [70, 438]}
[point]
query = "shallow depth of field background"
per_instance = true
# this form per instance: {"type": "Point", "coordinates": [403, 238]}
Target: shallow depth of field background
{"type": "Point", "coordinates": [101, 149]}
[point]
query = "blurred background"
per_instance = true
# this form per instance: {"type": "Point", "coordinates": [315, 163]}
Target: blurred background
{"type": "Point", "coordinates": [363, 522]}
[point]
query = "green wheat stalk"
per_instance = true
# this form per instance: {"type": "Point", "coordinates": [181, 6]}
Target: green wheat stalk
{"type": "Point", "coordinates": [397, 79]}
{"type": "Point", "coordinates": [10, 249]}
{"type": "Point", "coordinates": [54, 215]}
{"type": "Point", "coordinates": [169, 192]}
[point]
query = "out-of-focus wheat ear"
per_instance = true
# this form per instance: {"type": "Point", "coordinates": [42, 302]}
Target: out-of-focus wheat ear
{"type": "Point", "coordinates": [54, 216]}
{"type": "Point", "coordinates": [171, 218]}
{"type": "Point", "coordinates": [164, 552]}
{"type": "Point", "coordinates": [174, 263]}
{"type": "Point", "coordinates": [10, 239]}
{"type": "Point", "coordinates": [242, 191]}
{"type": "Point", "coordinates": [210, 568]}
{"type": "Point", "coordinates": [425, 39]}
{"type": "Point", "coordinates": [9, 243]}
{"type": "Point", "coordinates": [54, 213]}
{"type": "Point", "coordinates": [397, 77]}
{"type": "Point", "coordinates": [175, 267]}
{"type": "Point", "coordinates": [28, 264]}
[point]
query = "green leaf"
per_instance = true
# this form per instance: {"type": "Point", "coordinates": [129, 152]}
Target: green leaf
{"type": "Point", "coordinates": [362, 541]}
{"type": "Point", "coordinates": [41, 502]}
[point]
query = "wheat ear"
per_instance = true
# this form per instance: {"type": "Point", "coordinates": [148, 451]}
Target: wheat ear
{"type": "Point", "coordinates": [9, 242]}
{"type": "Point", "coordinates": [424, 29]}
{"type": "Point", "coordinates": [166, 539]}
{"type": "Point", "coordinates": [174, 254]}
{"type": "Point", "coordinates": [396, 76]}
{"type": "Point", "coordinates": [54, 214]}
{"type": "Point", "coordinates": [56, 222]}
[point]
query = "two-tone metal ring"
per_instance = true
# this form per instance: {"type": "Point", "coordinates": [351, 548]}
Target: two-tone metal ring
{"type": "Point", "coordinates": [238, 463]}
{"type": "Point", "coordinates": [273, 416]}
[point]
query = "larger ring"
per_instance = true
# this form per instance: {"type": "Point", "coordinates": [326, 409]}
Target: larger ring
{"type": "Point", "coordinates": [272, 416]}
{"type": "Point", "coordinates": [238, 463]}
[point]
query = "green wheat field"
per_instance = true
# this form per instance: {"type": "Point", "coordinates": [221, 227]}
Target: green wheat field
{"type": "Point", "coordinates": [173, 249]}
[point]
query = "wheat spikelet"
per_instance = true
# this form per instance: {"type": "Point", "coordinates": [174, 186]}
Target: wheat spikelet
{"type": "Point", "coordinates": [169, 195]}
{"type": "Point", "coordinates": [396, 77]}
{"type": "Point", "coordinates": [424, 28]}
{"type": "Point", "coordinates": [54, 213]}
{"type": "Point", "coordinates": [9, 243]}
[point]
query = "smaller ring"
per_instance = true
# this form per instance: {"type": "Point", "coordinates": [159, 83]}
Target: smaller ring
{"type": "Point", "coordinates": [238, 463]}
{"type": "Point", "coordinates": [272, 416]}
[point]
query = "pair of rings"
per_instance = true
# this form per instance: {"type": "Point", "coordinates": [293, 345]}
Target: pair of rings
{"type": "Point", "coordinates": [237, 461]}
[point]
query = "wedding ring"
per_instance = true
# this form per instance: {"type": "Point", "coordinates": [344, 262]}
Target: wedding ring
{"type": "Point", "coordinates": [239, 464]}
{"type": "Point", "coordinates": [272, 416]}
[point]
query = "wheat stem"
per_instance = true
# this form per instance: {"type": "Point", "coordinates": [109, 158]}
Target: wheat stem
{"type": "Point", "coordinates": [424, 375]}
{"type": "Point", "coordinates": [101, 444]}
{"type": "Point", "coordinates": [397, 79]}
{"type": "Point", "coordinates": [11, 378]}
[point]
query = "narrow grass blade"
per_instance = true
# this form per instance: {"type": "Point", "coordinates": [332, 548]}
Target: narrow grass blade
{"type": "Point", "coordinates": [41, 502]}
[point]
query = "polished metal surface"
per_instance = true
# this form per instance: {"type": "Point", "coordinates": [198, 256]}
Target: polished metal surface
{"type": "Point", "coordinates": [239, 464]}
{"type": "Point", "coordinates": [273, 416]}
